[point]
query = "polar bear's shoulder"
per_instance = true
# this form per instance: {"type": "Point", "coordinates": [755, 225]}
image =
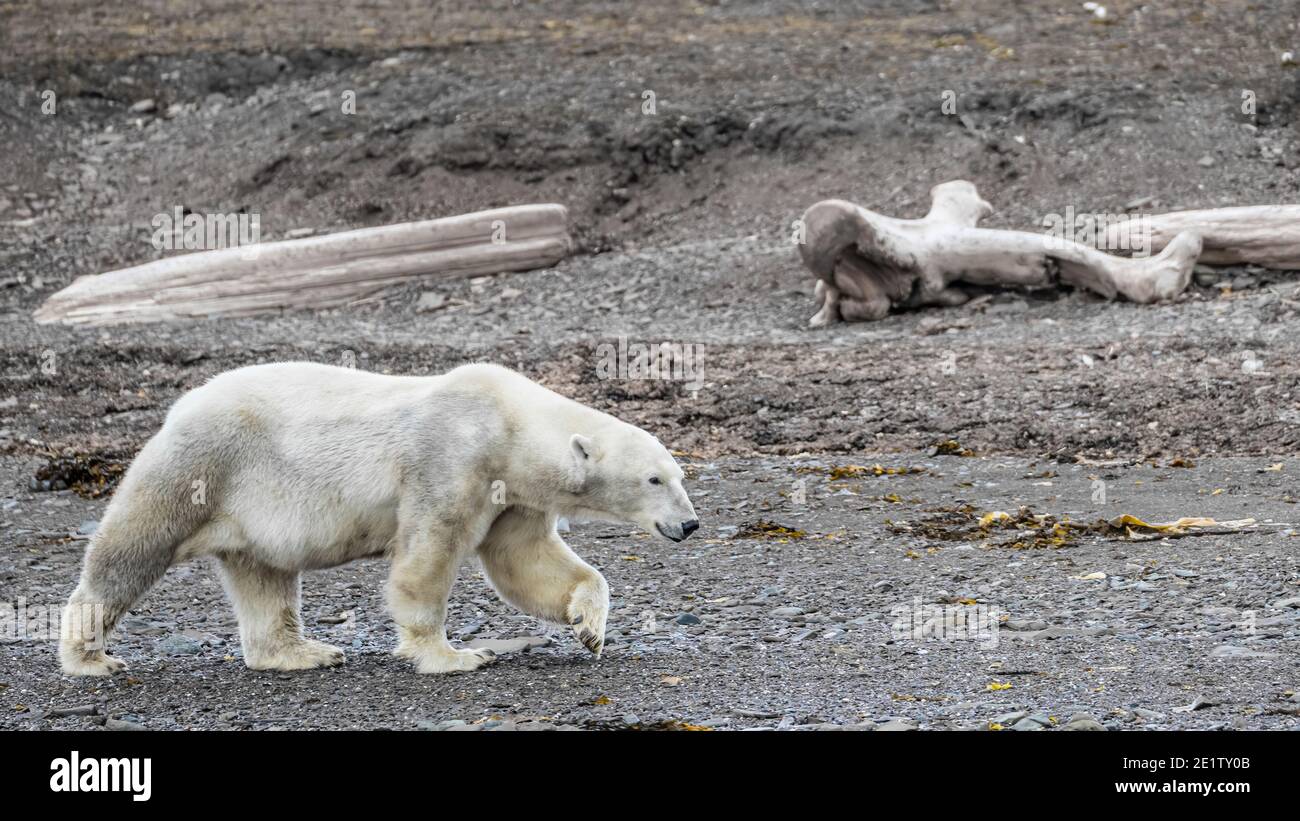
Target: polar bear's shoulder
{"type": "Point", "coordinates": [496, 381]}
{"type": "Point", "coordinates": [518, 396]}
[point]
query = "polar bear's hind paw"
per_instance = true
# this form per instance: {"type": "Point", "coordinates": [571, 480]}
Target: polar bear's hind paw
{"type": "Point", "coordinates": [91, 664]}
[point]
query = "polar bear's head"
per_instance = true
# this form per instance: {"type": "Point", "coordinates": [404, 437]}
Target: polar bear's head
{"type": "Point", "coordinates": [624, 474]}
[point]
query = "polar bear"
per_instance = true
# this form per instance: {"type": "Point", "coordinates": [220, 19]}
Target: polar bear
{"type": "Point", "coordinates": [276, 469]}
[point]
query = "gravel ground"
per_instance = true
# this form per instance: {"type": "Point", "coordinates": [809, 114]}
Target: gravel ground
{"type": "Point", "coordinates": [781, 612]}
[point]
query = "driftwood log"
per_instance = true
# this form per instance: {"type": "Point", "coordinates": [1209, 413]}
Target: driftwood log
{"type": "Point", "coordinates": [867, 264]}
{"type": "Point", "coordinates": [1264, 235]}
{"type": "Point", "coordinates": [316, 272]}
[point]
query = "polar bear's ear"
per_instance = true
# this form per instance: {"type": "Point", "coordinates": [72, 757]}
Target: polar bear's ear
{"type": "Point", "coordinates": [583, 450]}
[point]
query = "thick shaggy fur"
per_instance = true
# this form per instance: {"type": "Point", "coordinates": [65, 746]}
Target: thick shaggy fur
{"type": "Point", "coordinates": [277, 469]}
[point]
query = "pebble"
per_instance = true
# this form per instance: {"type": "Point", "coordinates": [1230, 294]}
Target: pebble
{"type": "Point", "coordinates": [178, 645]}
{"type": "Point", "coordinates": [1230, 651]}
{"type": "Point", "coordinates": [1083, 722]}
{"type": "Point", "coordinates": [447, 724]}
{"type": "Point", "coordinates": [787, 612]}
{"type": "Point", "coordinates": [687, 619]}
{"type": "Point", "coordinates": [515, 645]}
{"type": "Point", "coordinates": [896, 725]}
{"type": "Point", "coordinates": [87, 527]}
{"type": "Point", "coordinates": [120, 725]}
{"type": "Point", "coordinates": [62, 712]}
{"type": "Point", "coordinates": [1024, 624]}
{"type": "Point", "coordinates": [1205, 277]}
{"type": "Point", "coordinates": [430, 301]}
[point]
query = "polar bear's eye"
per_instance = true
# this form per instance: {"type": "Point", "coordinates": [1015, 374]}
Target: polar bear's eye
{"type": "Point", "coordinates": [654, 480]}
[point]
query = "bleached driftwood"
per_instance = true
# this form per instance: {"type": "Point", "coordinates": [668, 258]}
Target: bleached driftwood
{"type": "Point", "coordinates": [316, 272]}
{"type": "Point", "coordinates": [867, 264]}
{"type": "Point", "coordinates": [1267, 235]}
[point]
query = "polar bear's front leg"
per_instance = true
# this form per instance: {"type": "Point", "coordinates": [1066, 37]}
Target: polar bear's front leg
{"type": "Point", "coordinates": [419, 585]}
{"type": "Point", "coordinates": [532, 568]}
{"type": "Point", "coordinates": [267, 602]}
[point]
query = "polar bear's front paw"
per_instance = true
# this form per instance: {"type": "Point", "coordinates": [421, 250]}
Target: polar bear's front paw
{"type": "Point", "coordinates": [304, 655]}
{"type": "Point", "coordinates": [587, 611]}
{"type": "Point", "coordinates": [448, 659]}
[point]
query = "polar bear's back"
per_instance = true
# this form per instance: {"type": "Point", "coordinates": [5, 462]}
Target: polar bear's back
{"type": "Point", "coordinates": [302, 457]}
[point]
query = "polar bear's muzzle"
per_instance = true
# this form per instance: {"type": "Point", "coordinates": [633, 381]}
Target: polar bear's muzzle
{"type": "Point", "coordinates": [678, 532]}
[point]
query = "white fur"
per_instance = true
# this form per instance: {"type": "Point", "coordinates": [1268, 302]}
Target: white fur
{"type": "Point", "coordinates": [276, 469]}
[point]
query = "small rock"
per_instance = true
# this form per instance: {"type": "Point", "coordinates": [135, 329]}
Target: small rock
{"type": "Point", "coordinates": [63, 712]}
{"type": "Point", "coordinates": [1229, 651]}
{"type": "Point", "coordinates": [430, 301]}
{"type": "Point", "coordinates": [1083, 722]}
{"type": "Point", "coordinates": [120, 725]}
{"type": "Point", "coordinates": [516, 645]}
{"type": "Point", "coordinates": [687, 619]}
{"type": "Point", "coordinates": [787, 612]}
{"type": "Point", "coordinates": [1198, 703]}
{"type": "Point", "coordinates": [178, 645]}
{"type": "Point", "coordinates": [896, 725]}
{"type": "Point", "coordinates": [1205, 277]}
{"type": "Point", "coordinates": [440, 726]}
{"type": "Point", "coordinates": [87, 527]}
{"type": "Point", "coordinates": [1206, 162]}
{"type": "Point", "coordinates": [144, 106]}
{"type": "Point", "coordinates": [1024, 624]}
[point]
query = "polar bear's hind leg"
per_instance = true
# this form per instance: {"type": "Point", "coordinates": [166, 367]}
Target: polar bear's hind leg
{"type": "Point", "coordinates": [148, 519]}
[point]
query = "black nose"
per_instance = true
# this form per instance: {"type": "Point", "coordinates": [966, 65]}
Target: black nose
{"type": "Point", "coordinates": [689, 527]}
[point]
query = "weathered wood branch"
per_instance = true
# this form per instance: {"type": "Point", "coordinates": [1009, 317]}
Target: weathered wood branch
{"type": "Point", "coordinates": [316, 272]}
{"type": "Point", "coordinates": [867, 264]}
{"type": "Point", "coordinates": [1266, 235]}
